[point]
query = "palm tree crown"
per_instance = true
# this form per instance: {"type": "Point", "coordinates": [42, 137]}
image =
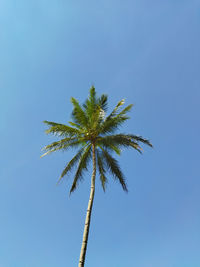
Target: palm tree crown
{"type": "Point", "coordinates": [90, 127]}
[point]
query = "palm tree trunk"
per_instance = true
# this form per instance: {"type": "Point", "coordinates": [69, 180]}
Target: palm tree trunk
{"type": "Point", "coordinates": [89, 211]}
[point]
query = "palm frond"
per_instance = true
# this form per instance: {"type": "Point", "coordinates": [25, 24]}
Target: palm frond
{"type": "Point", "coordinates": [97, 118]}
{"type": "Point", "coordinates": [103, 102]}
{"type": "Point", "coordinates": [90, 103]}
{"type": "Point", "coordinates": [61, 145]}
{"type": "Point", "coordinates": [112, 124]}
{"type": "Point", "coordinates": [125, 110]}
{"type": "Point", "coordinates": [51, 123]}
{"type": "Point", "coordinates": [114, 148]}
{"type": "Point", "coordinates": [92, 96]}
{"type": "Point", "coordinates": [76, 125]}
{"type": "Point", "coordinates": [140, 139]}
{"type": "Point", "coordinates": [114, 168]}
{"type": "Point", "coordinates": [78, 114]}
{"type": "Point", "coordinates": [120, 141]}
{"type": "Point", "coordinates": [109, 146]}
{"type": "Point", "coordinates": [119, 104]}
{"type": "Point", "coordinates": [115, 119]}
{"type": "Point", "coordinates": [102, 171]}
{"type": "Point", "coordinates": [93, 107]}
{"type": "Point", "coordinates": [59, 129]}
{"type": "Point", "coordinates": [83, 165]}
{"type": "Point", "coordinates": [71, 164]}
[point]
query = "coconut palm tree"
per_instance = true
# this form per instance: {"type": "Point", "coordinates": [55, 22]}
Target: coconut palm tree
{"type": "Point", "coordinates": [94, 134]}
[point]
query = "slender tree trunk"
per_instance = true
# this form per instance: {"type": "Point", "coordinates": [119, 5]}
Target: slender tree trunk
{"type": "Point", "coordinates": [89, 211]}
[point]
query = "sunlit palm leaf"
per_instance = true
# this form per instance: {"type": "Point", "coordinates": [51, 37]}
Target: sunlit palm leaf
{"type": "Point", "coordinates": [78, 115]}
{"type": "Point", "coordinates": [59, 129]}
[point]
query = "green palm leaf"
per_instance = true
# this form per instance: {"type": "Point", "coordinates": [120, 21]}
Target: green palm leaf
{"type": "Point", "coordinates": [103, 102]}
{"type": "Point", "coordinates": [120, 141]}
{"type": "Point", "coordinates": [61, 145]}
{"type": "Point", "coordinates": [114, 168]}
{"type": "Point", "coordinates": [115, 120]}
{"type": "Point", "coordinates": [83, 165]}
{"type": "Point", "coordinates": [114, 112]}
{"type": "Point", "coordinates": [102, 171]}
{"type": "Point", "coordinates": [59, 129]}
{"type": "Point", "coordinates": [78, 114]}
{"type": "Point", "coordinates": [140, 139]}
{"type": "Point", "coordinates": [71, 164]}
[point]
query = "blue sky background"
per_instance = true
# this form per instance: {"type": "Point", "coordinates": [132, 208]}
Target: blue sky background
{"type": "Point", "coordinates": [144, 51]}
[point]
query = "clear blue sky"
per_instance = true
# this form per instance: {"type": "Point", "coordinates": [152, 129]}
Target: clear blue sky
{"type": "Point", "coordinates": [141, 50]}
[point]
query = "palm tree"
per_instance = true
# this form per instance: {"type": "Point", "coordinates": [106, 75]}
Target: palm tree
{"type": "Point", "coordinates": [95, 135]}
